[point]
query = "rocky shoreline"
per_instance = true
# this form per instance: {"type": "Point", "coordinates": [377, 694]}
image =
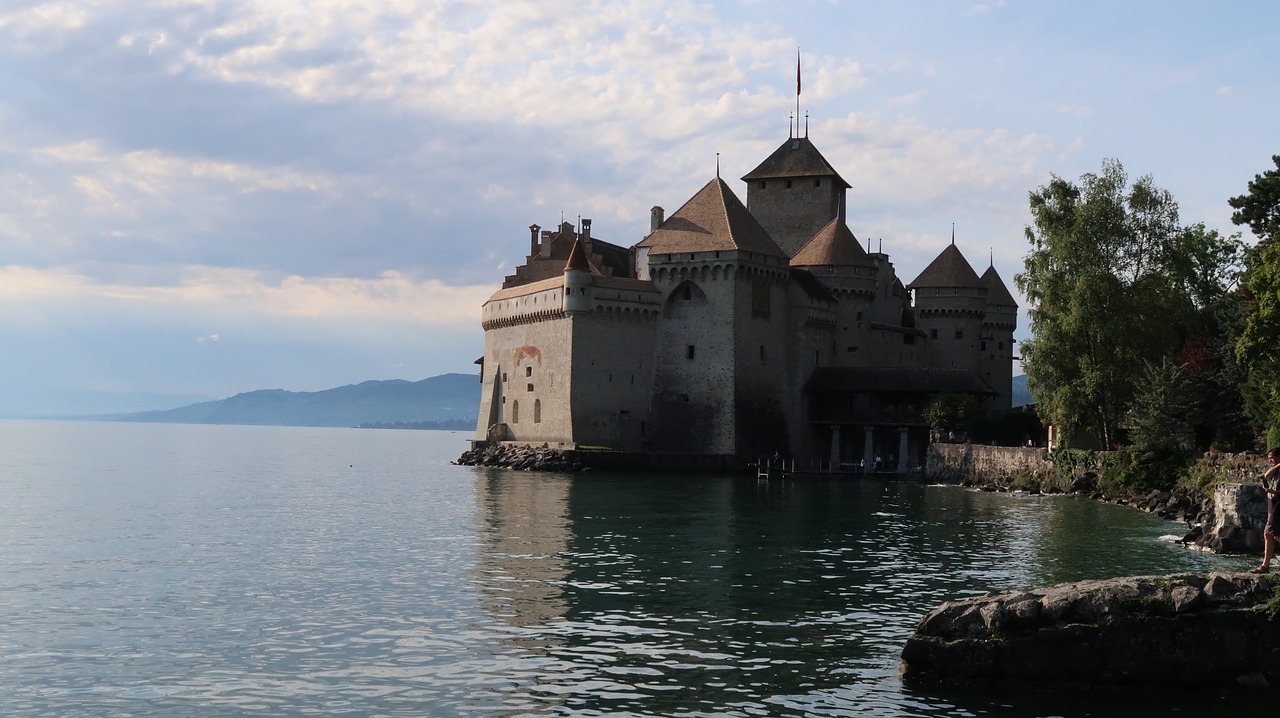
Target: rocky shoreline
{"type": "Point", "coordinates": [523, 457]}
{"type": "Point", "coordinates": [1178, 630]}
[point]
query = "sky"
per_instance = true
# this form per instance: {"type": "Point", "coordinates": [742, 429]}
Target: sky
{"type": "Point", "coordinates": [204, 197]}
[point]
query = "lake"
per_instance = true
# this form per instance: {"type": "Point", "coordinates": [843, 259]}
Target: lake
{"type": "Point", "coordinates": [174, 570]}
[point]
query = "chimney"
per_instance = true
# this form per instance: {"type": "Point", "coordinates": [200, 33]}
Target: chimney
{"type": "Point", "coordinates": [586, 233]}
{"type": "Point", "coordinates": [545, 247]}
{"type": "Point", "coordinates": [533, 240]}
{"type": "Point", "coordinates": [655, 218]}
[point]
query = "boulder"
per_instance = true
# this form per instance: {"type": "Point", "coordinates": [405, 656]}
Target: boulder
{"type": "Point", "coordinates": [1239, 515]}
{"type": "Point", "coordinates": [1184, 629]}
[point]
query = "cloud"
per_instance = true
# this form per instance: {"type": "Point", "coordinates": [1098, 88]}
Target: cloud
{"type": "Point", "coordinates": [237, 292]}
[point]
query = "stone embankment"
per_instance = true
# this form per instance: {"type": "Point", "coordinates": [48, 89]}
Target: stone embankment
{"type": "Point", "coordinates": [522, 456]}
{"type": "Point", "coordinates": [1184, 629]}
{"type": "Point", "coordinates": [1004, 468]}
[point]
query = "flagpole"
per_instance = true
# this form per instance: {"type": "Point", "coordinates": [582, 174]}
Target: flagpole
{"type": "Point", "coordinates": [797, 92]}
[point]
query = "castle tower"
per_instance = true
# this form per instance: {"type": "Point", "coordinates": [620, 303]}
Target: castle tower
{"type": "Point", "coordinates": [794, 193]}
{"type": "Point", "coordinates": [996, 364]}
{"type": "Point", "coordinates": [839, 263]}
{"type": "Point", "coordinates": [721, 343]}
{"type": "Point", "coordinates": [950, 305]}
{"type": "Point", "coordinates": [577, 281]}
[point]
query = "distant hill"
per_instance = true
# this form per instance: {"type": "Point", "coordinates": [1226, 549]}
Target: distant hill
{"type": "Point", "coordinates": [448, 401]}
{"type": "Point", "coordinates": [1021, 396]}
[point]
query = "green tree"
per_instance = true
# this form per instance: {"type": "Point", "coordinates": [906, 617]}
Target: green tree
{"type": "Point", "coordinates": [1107, 293]}
{"type": "Point", "coordinates": [949, 410]}
{"type": "Point", "coordinates": [1258, 346]}
{"type": "Point", "coordinates": [1159, 424]}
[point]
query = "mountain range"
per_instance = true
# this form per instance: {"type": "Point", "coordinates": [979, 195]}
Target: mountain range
{"type": "Point", "coordinates": [447, 401]}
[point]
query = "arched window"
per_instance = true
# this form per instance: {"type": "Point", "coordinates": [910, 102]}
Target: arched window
{"type": "Point", "coordinates": [515, 412]}
{"type": "Point", "coordinates": [537, 411]}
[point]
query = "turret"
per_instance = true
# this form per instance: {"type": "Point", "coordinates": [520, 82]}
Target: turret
{"type": "Point", "coordinates": [997, 338]}
{"type": "Point", "coordinates": [950, 304]}
{"type": "Point", "coordinates": [577, 281]}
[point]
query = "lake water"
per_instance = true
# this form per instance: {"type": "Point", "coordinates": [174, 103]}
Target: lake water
{"type": "Point", "coordinates": [169, 570]}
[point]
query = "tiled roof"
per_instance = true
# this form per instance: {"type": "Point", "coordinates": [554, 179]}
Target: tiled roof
{"type": "Point", "coordinates": [714, 219]}
{"type": "Point", "coordinates": [797, 157]}
{"type": "Point", "coordinates": [997, 293]}
{"type": "Point", "coordinates": [577, 258]}
{"type": "Point", "coordinates": [950, 269]}
{"type": "Point", "coordinates": [810, 285]}
{"type": "Point", "coordinates": [833, 246]}
{"type": "Point", "coordinates": [530, 288]}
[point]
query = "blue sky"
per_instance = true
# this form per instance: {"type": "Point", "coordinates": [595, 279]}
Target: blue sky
{"type": "Point", "coordinates": [207, 197]}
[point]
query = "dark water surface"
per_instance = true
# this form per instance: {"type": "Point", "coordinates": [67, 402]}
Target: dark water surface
{"type": "Point", "coordinates": [166, 570]}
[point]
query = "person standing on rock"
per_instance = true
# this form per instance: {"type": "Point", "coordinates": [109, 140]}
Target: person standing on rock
{"type": "Point", "coordinates": [1272, 486]}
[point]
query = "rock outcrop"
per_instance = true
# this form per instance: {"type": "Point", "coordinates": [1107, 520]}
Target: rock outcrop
{"type": "Point", "coordinates": [1239, 515]}
{"type": "Point", "coordinates": [522, 456]}
{"type": "Point", "coordinates": [1184, 629]}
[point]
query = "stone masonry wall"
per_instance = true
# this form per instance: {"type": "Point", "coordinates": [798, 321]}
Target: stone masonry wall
{"type": "Point", "coordinates": [954, 463]}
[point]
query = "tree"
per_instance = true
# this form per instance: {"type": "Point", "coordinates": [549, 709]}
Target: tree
{"type": "Point", "coordinates": [1106, 295]}
{"type": "Point", "coordinates": [1159, 427]}
{"type": "Point", "coordinates": [1258, 346]}
{"type": "Point", "coordinates": [949, 410]}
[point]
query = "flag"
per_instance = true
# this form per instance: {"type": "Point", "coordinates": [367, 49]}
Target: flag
{"type": "Point", "coordinates": [797, 72]}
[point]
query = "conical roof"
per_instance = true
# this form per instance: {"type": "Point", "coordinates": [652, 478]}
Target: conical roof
{"type": "Point", "coordinates": [577, 258]}
{"type": "Point", "coordinates": [714, 219]}
{"type": "Point", "coordinates": [833, 246]}
{"type": "Point", "coordinates": [949, 270]}
{"type": "Point", "coordinates": [997, 293]}
{"type": "Point", "coordinates": [797, 157]}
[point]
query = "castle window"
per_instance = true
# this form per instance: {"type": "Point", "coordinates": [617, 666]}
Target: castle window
{"type": "Point", "coordinates": [933, 333]}
{"type": "Point", "coordinates": [817, 183]}
{"type": "Point", "coordinates": [1001, 345]}
{"type": "Point", "coordinates": [762, 183]}
{"type": "Point", "coordinates": [984, 346]}
{"type": "Point", "coordinates": [688, 352]}
{"type": "Point", "coordinates": [609, 378]}
{"type": "Point", "coordinates": [684, 398]}
{"type": "Point", "coordinates": [762, 359]}
{"type": "Point", "coordinates": [528, 371]}
{"type": "Point", "coordinates": [537, 411]}
{"type": "Point", "coordinates": [787, 184]}
{"type": "Point", "coordinates": [528, 387]}
{"type": "Point", "coordinates": [515, 412]}
{"type": "Point", "coordinates": [959, 334]}
{"type": "Point", "coordinates": [504, 377]}
{"type": "Point", "coordinates": [644, 429]}
{"type": "Point", "coordinates": [859, 316]}
{"type": "Point", "coordinates": [851, 349]}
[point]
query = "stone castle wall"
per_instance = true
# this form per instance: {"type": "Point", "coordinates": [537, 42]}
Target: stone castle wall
{"type": "Point", "coordinates": [954, 463]}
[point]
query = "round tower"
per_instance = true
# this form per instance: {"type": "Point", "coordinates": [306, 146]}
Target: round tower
{"type": "Point", "coordinates": [950, 305]}
{"type": "Point", "coordinates": [997, 338]}
{"type": "Point", "coordinates": [577, 281]}
{"type": "Point", "coordinates": [836, 260]}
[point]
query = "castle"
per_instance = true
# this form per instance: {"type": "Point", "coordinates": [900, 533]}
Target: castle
{"type": "Point", "coordinates": [739, 330]}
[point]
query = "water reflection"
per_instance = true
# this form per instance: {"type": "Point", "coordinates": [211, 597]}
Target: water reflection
{"type": "Point", "coordinates": [706, 595]}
